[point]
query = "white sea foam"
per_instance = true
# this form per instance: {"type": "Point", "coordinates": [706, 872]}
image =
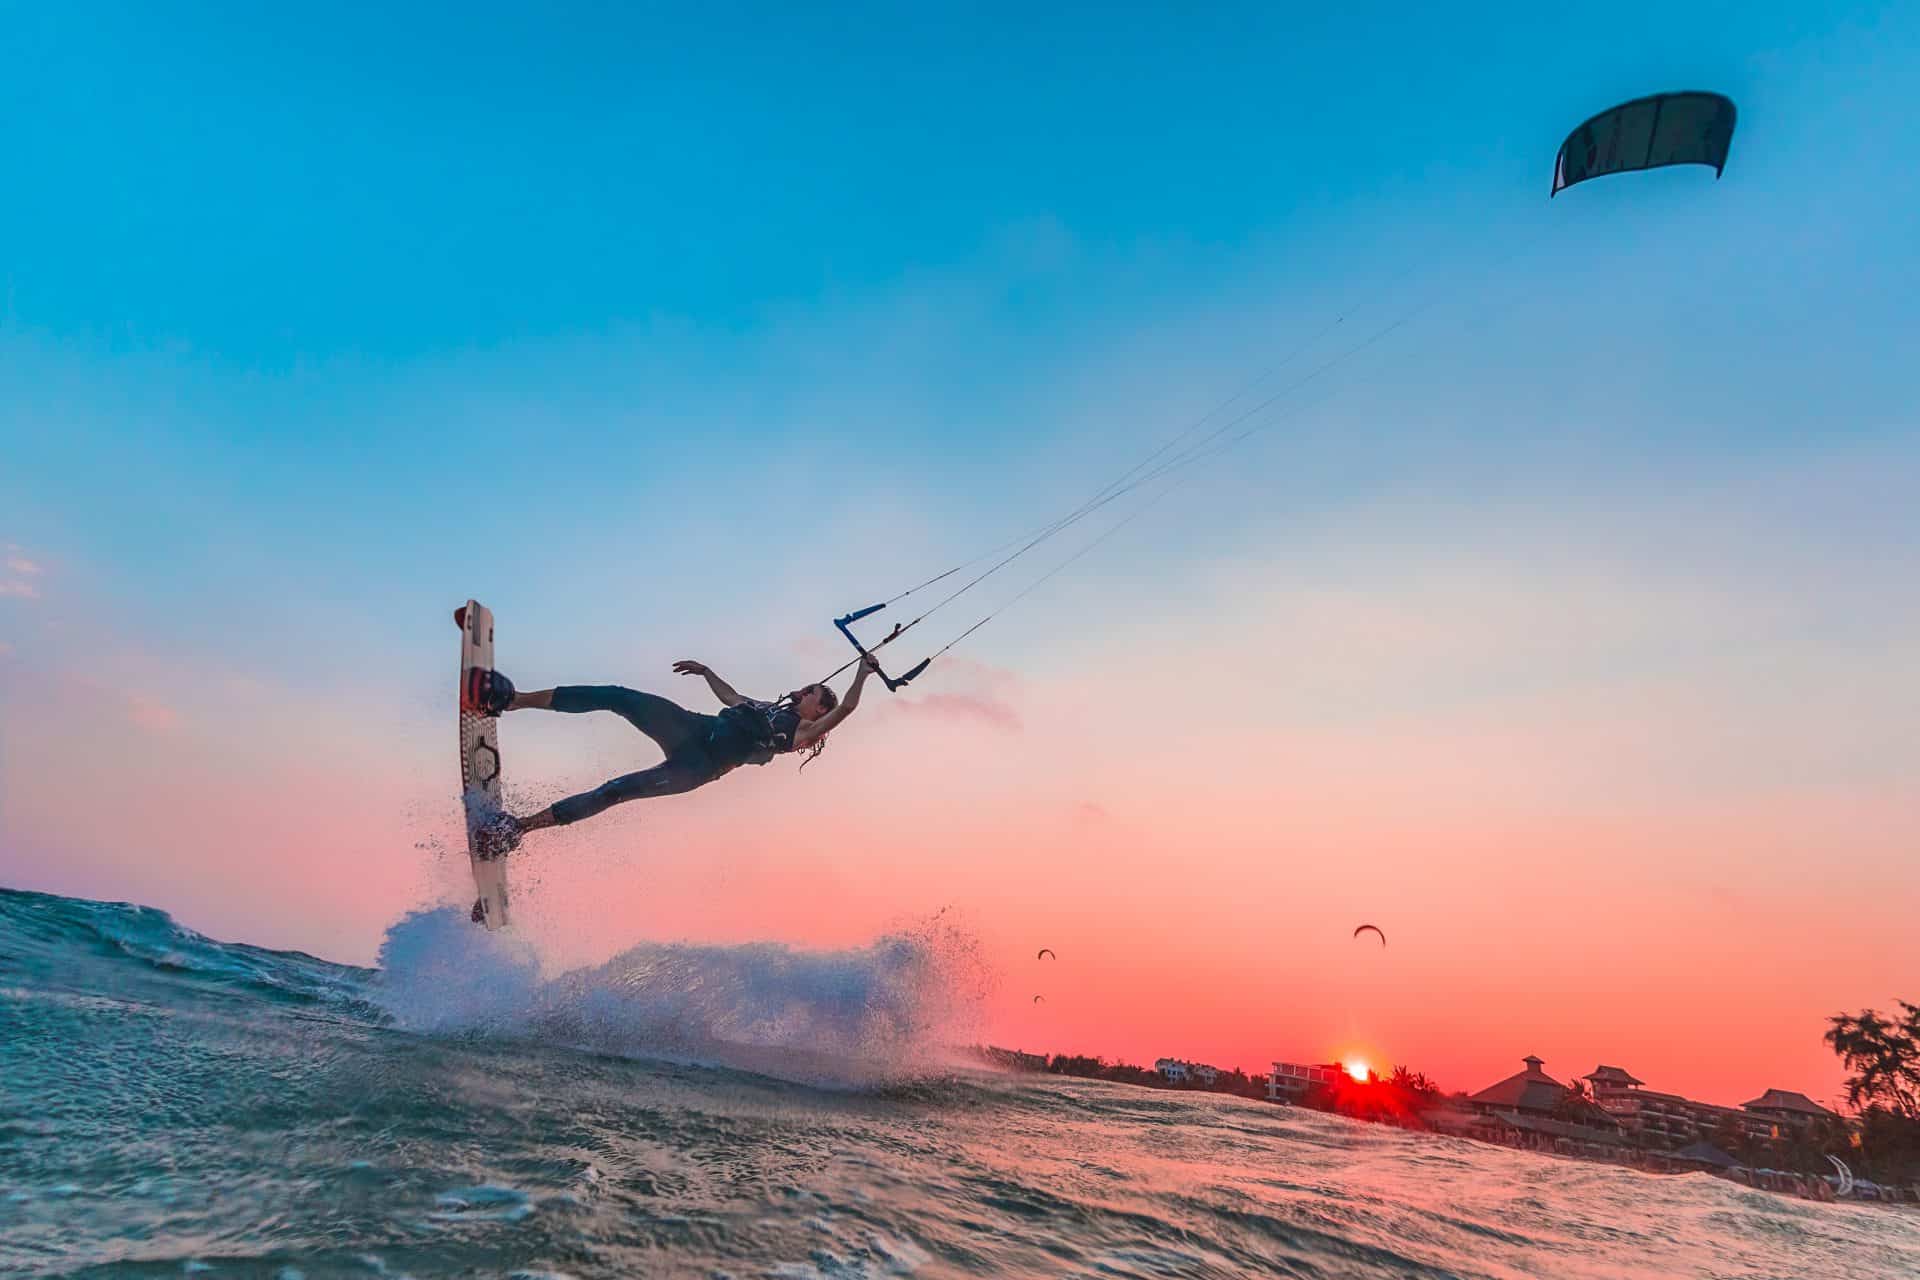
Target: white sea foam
{"type": "Point", "coordinates": [880, 1012]}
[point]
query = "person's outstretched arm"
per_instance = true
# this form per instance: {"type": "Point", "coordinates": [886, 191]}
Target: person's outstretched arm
{"type": "Point", "coordinates": [728, 695]}
{"type": "Point", "coordinates": [811, 731]}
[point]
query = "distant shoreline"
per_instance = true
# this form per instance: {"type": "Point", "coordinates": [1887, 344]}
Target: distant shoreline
{"type": "Point", "coordinates": [1428, 1110]}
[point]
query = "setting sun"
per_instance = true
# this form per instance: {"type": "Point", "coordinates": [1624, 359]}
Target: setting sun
{"type": "Point", "coordinates": [1357, 1069]}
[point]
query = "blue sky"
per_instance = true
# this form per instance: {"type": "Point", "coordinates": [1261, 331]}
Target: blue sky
{"type": "Point", "coordinates": [700, 308]}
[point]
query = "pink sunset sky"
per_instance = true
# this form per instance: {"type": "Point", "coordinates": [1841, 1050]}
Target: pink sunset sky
{"type": "Point", "coordinates": [1606, 806]}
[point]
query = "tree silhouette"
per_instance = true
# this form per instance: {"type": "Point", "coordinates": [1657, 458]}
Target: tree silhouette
{"type": "Point", "coordinates": [1414, 1084]}
{"type": "Point", "coordinates": [1577, 1106]}
{"type": "Point", "coordinates": [1883, 1057]}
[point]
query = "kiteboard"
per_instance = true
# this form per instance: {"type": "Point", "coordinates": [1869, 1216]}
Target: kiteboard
{"type": "Point", "coordinates": [480, 763]}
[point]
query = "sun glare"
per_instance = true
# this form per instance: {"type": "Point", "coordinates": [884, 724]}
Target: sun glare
{"type": "Point", "coordinates": [1357, 1069]}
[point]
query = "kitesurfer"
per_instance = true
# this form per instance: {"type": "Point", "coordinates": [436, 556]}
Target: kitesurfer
{"type": "Point", "coordinates": [698, 748]}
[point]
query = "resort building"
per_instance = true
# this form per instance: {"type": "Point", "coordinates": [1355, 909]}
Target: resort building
{"type": "Point", "coordinates": [1786, 1109]}
{"type": "Point", "coordinates": [1605, 1079]}
{"type": "Point", "coordinates": [1533, 1110]}
{"type": "Point", "coordinates": [1529, 1092]}
{"type": "Point", "coordinates": [1179, 1071]}
{"type": "Point", "coordinates": [1289, 1081]}
{"type": "Point", "coordinates": [1669, 1120]}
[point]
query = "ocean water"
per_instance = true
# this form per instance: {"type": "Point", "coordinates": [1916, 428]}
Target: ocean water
{"type": "Point", "coordinates": [171, 1105]}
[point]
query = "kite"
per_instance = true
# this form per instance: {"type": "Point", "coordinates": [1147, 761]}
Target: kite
{"type": "Point", "coordinates": [1648, 133]}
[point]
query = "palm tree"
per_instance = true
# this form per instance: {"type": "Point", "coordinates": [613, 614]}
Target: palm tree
{"type": "Point", "coordinates": [1413, 1083]}
{"type": "Point", "coordinates": [1576, 1106]}
{"type": "Point", "coordinates": [1884, 1057]}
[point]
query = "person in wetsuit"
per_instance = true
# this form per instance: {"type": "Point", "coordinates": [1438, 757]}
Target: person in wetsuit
{"type": "Point", "coordinates": [698, 748]}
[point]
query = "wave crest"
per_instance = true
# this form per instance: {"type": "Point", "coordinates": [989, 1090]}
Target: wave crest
{"type": "Point", "coordinates": [879, 1013]}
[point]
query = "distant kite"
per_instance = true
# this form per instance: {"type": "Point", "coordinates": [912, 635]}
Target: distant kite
{"type": "Point", "coordinates": [1044, 953]}
{"type": "Point", "coordinates": [1039, 999]}
{"type": "Point", "coordinates": [1376, 928]}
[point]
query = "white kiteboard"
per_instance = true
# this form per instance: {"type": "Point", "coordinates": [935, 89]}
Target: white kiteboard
{"type": "Point", "coordinates": [480, 764]}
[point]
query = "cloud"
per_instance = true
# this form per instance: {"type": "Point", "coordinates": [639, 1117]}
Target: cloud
{"type": "Point", "coordinates": [152, 716]}
{"type": "Point", "coordinates": [23, 569]}
{"type": "Point", "coordinates": [6, 650]}
{"type": "Point", "coordinates": [963, 706]}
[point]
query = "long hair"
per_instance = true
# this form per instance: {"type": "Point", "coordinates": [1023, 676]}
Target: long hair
{"type": "Point", "coordinates": [828, 701]}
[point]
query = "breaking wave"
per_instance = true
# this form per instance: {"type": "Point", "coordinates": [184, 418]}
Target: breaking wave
{"type": "Point", "coordinates": [880, 1013]}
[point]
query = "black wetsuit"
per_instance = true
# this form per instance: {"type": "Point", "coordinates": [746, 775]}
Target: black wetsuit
{"type": "Point", "coordinates": [699, 748]}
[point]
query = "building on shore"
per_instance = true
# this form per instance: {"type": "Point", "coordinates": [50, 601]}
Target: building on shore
{"type": "Point", "coordinates": [1605, 1079]}
{"type": "Point", "coordinates": [1788, 1110]}
{"type": "Point", "coordinates": [1627, 1123]}
{"type": "Point", "coordinates": [1529, 1092]}
{"type": "Point", "coordinates": [1667, 1120]}
{"type": "Point", "coordinates": [1289, 1081]}
{"type": "Point", "coordinates": [1180, 1071]}
{"type": "Point", "coordinates": [1531, 1109]}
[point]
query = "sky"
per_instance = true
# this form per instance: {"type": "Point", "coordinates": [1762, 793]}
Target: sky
{"type": "Point", "coordinates": [1557, 613]}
